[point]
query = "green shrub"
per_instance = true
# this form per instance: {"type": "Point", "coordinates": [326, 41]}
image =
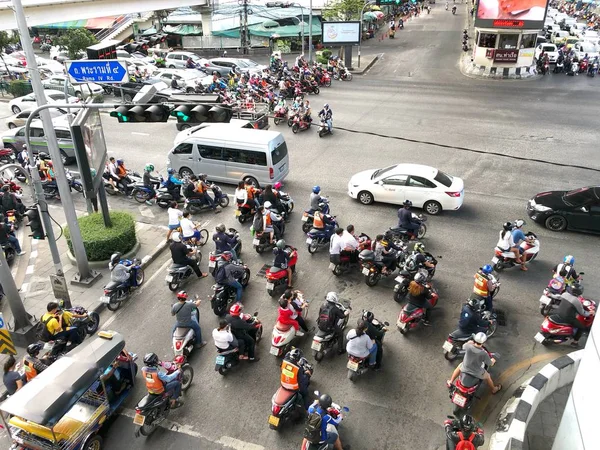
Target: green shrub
{"type": "Point", "coordinates": [19, 88]}
{"type": "Point", "coordinates": [322, 60]}
{"type": "Point", "coordinates": [326, 54]}
{"type": "Point", "coordinates": [98, 98]}
{"type": "Point", "coordinates": [101, 242]}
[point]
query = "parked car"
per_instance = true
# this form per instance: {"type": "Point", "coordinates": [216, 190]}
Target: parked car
{"type": "Point", "coordinates": [62, 55]}
{"type": "Point", "coordinates": [28, 101]}
{"type": "Point", "coordinates": [550, 30]}
{"type": "Point", "coordinates": [53, 66]}
{"type": "Point", "coordinates": [578, 209]}
{"type": "Point", "coordinates": [550, 49]}
{"type": "Point", "coordinates": [426, 187]}
{"type": "Point", "coordinates": [83, 90]}
{"type": "Point", "coordinates": [18, 120]}
{"type": "Point", "coordinates": [585, 48]}
{"type": "Point", "coordinates": [224, 65]}
{"type": "Point", "coordinates": [128, 90]}
{"type": "Point", "coordinates": [559, 37]}
{"type": "Point", "coordinates": [135, 56]}
{"type": "Point", "coordinates": [187, 79]}
{"type": "Point", "coordinates": [178, 60]}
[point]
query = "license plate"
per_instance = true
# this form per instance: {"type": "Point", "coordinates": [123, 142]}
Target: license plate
{"type": "Point", "coordinates": [220, 360]}
{"type": "Point", "coordinates": [545, 300]}
{"type": "Point", "coordinates": [316, 346]}
{"type": "Point", "coordinates": [105, 299]}
{"type": "Point", "coordinates": [448, 346]}
{"type": "Point", "coordinates": [256, 242]}
{"type": "Point", "coordinates": [365, 271]}
{"type": "Point", "coordinates": [352, 365]}
{"type": "Point", "coordinates": [331, 266]}
{"type": "Point", "coordinates": [539, 337]}
{"type": "Point", "coordinates": [238, 213]}
{"type": "Point", "coordinates": [401, 325]}
{"type": "Point", "coordinates": [459, 400]}
{"type": "Point", "coordinates": [139, 420]}
{"type": "Point", "coordinates": [399, 279]}
{"type": "Point", "coordinates": [309, 240]}
{"type": "Point", "coordinates": [270, 285]}
{"type": "Point", "coordinates": [169, 278]}
{"type": "Point", "coordinates": [273, 420]}
{"type": "Point", "coordinates": [274, 350]}
{"type": "Point", "coordinates": [11, 218]}
{"type": "Point", "coordinates": [212, 263]}
{"type": "Point", "coordinates": [495, 259]}
{"type": "Point", "coordinates": [304, 218]}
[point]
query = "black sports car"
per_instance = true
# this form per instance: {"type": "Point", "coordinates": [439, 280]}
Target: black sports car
{"type": "Point", "coordinates": [574, 210]}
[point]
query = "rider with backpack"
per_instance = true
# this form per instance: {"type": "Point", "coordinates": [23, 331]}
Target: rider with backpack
{"type": "Point", "coordinates": [330, 319]}
{"type": "Point", "coordinates": [463, 434]}
{"type": "Point", "coordinates": [322, 423]}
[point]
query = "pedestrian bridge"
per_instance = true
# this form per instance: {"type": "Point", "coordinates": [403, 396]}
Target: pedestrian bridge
{"type": "Point", "coordinates": [41, 12]}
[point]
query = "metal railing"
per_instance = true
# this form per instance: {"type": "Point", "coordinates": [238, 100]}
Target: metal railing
{"type": "Point", "coordinates": [120, 22]}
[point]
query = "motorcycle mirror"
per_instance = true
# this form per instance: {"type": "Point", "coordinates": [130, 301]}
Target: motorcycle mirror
{"type": "Point", "coordinates": [317, 393]}
{"type": "Point", "coordinates": [387, 324]}
{"type": "Point", "coordinates": [450, 417]}
{"type": "Point", "coordinates": [581, 273]}
{"type": "Point", "coordinates": [255, 314]}
{"type": "Point", "coordinates": [345, 409]}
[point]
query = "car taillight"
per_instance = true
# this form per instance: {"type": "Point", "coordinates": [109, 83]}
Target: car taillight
{"type": "Point", "coordinates": [178, 345]}
{"type": "Point", "coordinates": [453, 194]}
{"type": "Point", "coordinates": [276, 409]}
{"type": "Point", "coordinates": [271, 173]}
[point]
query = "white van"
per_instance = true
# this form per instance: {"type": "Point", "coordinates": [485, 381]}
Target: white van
{"type": "Point", "coordinates": [231, 155]}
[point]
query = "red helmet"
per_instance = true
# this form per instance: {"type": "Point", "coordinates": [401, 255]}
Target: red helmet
{"type": "Point", "coordinates": [277, 185]}
{"type": "Point", "coordinates": [236, 309]}
{"type": "Point", "coordinates": [226, 256]}
{"type": "Point", "coordinates": [182, 295]}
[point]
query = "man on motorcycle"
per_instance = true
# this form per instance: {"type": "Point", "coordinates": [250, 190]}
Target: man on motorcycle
{"type": "Point", "coordinates": [335, 246]}
{"type": "Point", "coordinates": [158, 381]}
{"type": "Point", "coordinates": [149, 182]}
{"type": "Point", "coordinates": [385, 255]}
{"type": "Point", "coordinates": [245, 332]}
{"type": "Point", "coordinates": [406, 220]}
{"type": "Point", "coordinates": [224, 242]}
{"type": "Point", "coordinates": [315, 199]}
{"type": "Point", "coordinates": [420, 259]}
{"type": "Point", "coordinates": [568, 309]}
{"type": "Point", "coordinates": [470, 321]}
{"type": "Point", "coordinates": [180, 255]}
{"type": "Point", "coordinates": [173, 184]}
{"type": "Point", "coordinates": [272, 222]}
{"type": "Point", "coordinates": [31, 363]}
{"type": "Point", "coordinates": [122, 174]}
{"type": "Point", "coordinates": [331, 317]}
{"type": "Point", "coordinates": [56, 322]}
{"type": "Point", "coordinates": [360, 345]}
{"type": "Point", "coordinates": [566, 269]}
{"type": "Point", "coordinates": [191, 189]}
{"type": "Point", "coordinates": [185, 317]}
{"type": "Point", "coordinates": [296, 373]}
{"type": "Point", "coordinates": [464, 429]}
{"type": "Point", "coordinates": [296, 304]}
{"type": "Point", "coordinates": [202, 189]}
{"type": "Point", "coordinates": [327, 425]}
{"type": "Point", "coordinates": [306, 117]}
{"type": "Point", "coordinates": [229, 274]}
{"type": "Point", "coordinates": [190, 64]}
{"type": "Point", "coordinates": [327, 115]}
{"type": "Point", "coordinates": [506, 243]}
{"type": "Point", "coordinates": [322, 221]}
{"type": "Point", "coordinates": [518, 237]}
{"type": "Point", "coordinates": [484, 285]}
{"type": "Point", "coordinates": [253, 193]}
{"type": "Point", "coordinates": [376, 333]}
{"type": "Point", "coordinates": [419, 294]}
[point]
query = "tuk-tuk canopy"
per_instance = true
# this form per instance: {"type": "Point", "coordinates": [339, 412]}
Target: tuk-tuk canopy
{"type": "Point", "coordinates": [51, 394]}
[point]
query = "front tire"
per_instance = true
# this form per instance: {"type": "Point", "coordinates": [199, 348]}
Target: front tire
{"type": "Point", "coordinates": [422, 231]}
{"type": "Point", "coordinates": [270, 292]}
{"type": "Point", "coordinates": [556, 223]}
{"type": "Point", "coordinates": [313, 247]}
{"type": "Point", "coordinates": [404, 331]}
{"type": "Point", "coordinates": [93, 443]}
{"type": "Point", "coordinates": [295, 128]}
{"type": "Point", "coordinates": [224, 201]}
{"type": "Point", "coordinates": [141, 196]}
{"type": "Point", "coordinates": [365, 197]}
{"type": "Point", "coordinates": [372, 279]}
{"type": "Point", "coordinates": [306, 227]}
{"type": "Point", "coordinates": [498, 267]}
{"type": "Point", "coordinates": [432, 207]}
{"type": "Point", "coordinates": [93, 324]}
{"type": "Point", "coordinates": [492, 329]}
{"type": "Point", "coordinates": [545, 310]}
{"type": "Point", "coordinates": [185, 172]}
{"type": "Point", "coordinates": [187, 376]}
{"type": "Point", "coordinates": [203, 237]}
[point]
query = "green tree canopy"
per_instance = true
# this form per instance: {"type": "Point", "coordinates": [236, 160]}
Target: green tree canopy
{"type": "Point", "coordinates": [344, 10]}
{"type": "Point", "coordinates": [5, 40]}
{"type": "Point", "coordinates": [76, 40]}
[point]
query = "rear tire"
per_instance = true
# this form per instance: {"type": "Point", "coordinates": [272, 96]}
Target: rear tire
{"type": "Point", "coordinates": [556, 223]}
{"type": "Point", "coordinates": [352, 375]}
{"type": "Point", "coordinates": [365, 197]}
{"type": "Point", "coordinates": [432, 207]}
{"type": "Point", "coordinates": [187, 376]}
{"type": "Point", "coordinates": [277, 120]}
{"type": "Point", "coordinates": [173, 286]}
{"type": "Point", "coordinates": [498, 267]}
{"type": "Point", "coordinates": [450, 356]}
{"type": "Point", "coordinates": [306, 227]}
{"type": "Point", "coordinates": [224, 201]}
{"type": "Point", "coordinates": [110, 190]}
{"type": "Point", "coordinates": [253, 181]}
{"type": "Point", "coordinates": [400, 294]}
{"type": "Point", "coordinates": [337, 270]}
{"type": "Point", "coordinates": [313, 247]}
{"type": "Point", "coordinates": [140, 196]}
{"type": "Point", "coordinates": [222, 370]}
{"type": "Point", "coordinates": [113, 306]}
{"type": "Point", "coordinates": [270, 292]}
{"type": "Point", "coordinates": [319, 356]}
{"type": "Point", "coordinates": [147, 430]}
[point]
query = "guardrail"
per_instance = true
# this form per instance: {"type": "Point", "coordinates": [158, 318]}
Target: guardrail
{"type": "Point", "coordinates": [121, 20]}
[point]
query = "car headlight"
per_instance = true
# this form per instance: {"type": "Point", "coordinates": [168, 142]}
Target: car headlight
{"type": "Point", "coordinates": [541, 208]}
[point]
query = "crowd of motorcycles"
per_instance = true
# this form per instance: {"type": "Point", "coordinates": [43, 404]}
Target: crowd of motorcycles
{"type": "Point", "coordinates": [567, 62]}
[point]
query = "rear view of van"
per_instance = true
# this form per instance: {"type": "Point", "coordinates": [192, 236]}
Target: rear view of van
{"type": "Point", "coordinates": [230, 154]}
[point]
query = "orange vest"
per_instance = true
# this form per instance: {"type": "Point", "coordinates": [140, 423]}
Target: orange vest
{"type": "Point", "coordinates": [200, 188]}
{"type": "Point", "coordinates": [481, 285]}
{"type": "Point", "coordinates": [289, 376]}
{"type": "Point", "coordinates": [267, 219]}
{"type": "Point", "coordinates": [30, 371]}
{"type": "Point", "coordinates": [153, 383]}
{"type": "Point", "coordinates": [250, 191]}
{"type": "Point", "coordinates": [121, 171]}
{"type": "Point", "coordinates": [318, 220]}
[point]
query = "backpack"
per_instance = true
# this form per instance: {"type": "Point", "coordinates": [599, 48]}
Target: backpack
{"type": "Point", "coordinates": [325, 319]}
{"type": "Point", "coordinates": [411, 262]}
{"type": "Point", "coordinates": [20, 157]}
{"type": "Point", "coordinates": [312, 430]}
{"type": "Point", "coordinates": [257, 223]}
{"type": "Point", "coordinates": [7, 201]}
{"type": "Point", "coordinates": [465, 444]}
{"type": "Point", "coordinates": [44, 334]}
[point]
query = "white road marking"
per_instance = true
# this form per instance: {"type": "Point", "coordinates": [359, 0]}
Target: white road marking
{"type": "Point", "coordinates": [140, 134]}
{"type": "Point", "coordinates": [29, 270]}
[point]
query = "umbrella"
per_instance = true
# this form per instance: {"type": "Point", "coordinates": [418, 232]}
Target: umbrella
{"type": "Point", "coordinates": [379, 14]}
{"type": "Point", "coordinates": [375, 8]}
{"type": "Point", "coordinates": [369, 16]}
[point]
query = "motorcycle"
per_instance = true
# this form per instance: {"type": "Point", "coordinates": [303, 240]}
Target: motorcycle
{"type": "Point", "coordinates": [372, 270]}
{"type": "Point", "coordinates": [178, 274]}
{"type": "Point", "coordinates": [406, 275]}
{"type": "Point", "coordinates": [412, 315]}
{"type": "Point", "coordinates": [261, 241]}
{"type": "Point", "coordinates": [592, 69]}
{"type": "Point", "coordinates": [7, 156]}
{"type": "Point", "coordinates": [86, 326]}
{"type": "Point", "coordinates": [50, 189]}
{"type": "Point", "coordinates": [405, 235]}
{"type": "Point", "coordinates": [140, 192]}
{"type": "Point", "coordinates": [560, 64]}
{"type": "Point", "coordinates": [114, 189]}
{"type": "Point", "coordinates": [583, 66]}
{"type": "Point", "coordinates": [244, 213]}
{"type": "Point", "coordinates": [453, 346]}
{"type": "Point", "coordinates": [343, 74]}
{"type": "Point", "coordinates": [73, 183]}
{"type": "Point", "coordinates": [358, 366]}
{"type": "Point", "coordinates": [320, 237]}
{"type": "Point", "coordinates": [287, 405]}
{"type": "Point", "coordinates": [215, 257]}
{"type": "Point", "coordinates": [281, 115]}
{"type": "Point", "coordinates": [462, 391]}
{"type": "Point", "coordinates": [227, 359]}
{"type": "Point", "coordinates": [503, 259]}
{"type": "Point", "coordinates": [164, 197]}
{"type": "Point", "coordinates": [324, 129]}
{"type": "Point", "coordinates": [283, 335]}
{"type": "Point", "coordinates": [347, 259]}
{"type": "Point", "coordinates": [325, 341]}
{"type": "Point", "coordinates": [196, 205]}
{"type": "Point", "coordinates": [324, 79]}
{"type": "Point", "coordinates": [551, 297]}
{"type": "Point", "coordinates": [224, 295]}
{"type": "Point", "coordinates": [308, 216]}
{"type": "Point", "coordinates": [311, 88]}
{"type": "Point", "coordinates": [453, 10]}
{"type": "Point", "coordinates": [299, 124]}
{"type": "Point", "coordinates": [116, 293]}
{"type": "Point", "coordinates": [554, 331]}
{"type": "Point", "coordinates": [184, 338]}
{"type": "Point", "coordinates": [154, 409]}
{"type": "Point", "coordinates": [276, 276]}
{"type": "Point", "coordinates": [288, 204]}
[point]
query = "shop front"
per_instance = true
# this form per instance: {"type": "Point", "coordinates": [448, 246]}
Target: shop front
{"type": "Point", "coordinates": [504, 53]}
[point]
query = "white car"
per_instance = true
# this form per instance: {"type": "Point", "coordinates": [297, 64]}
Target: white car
{"type": "Point", "coordinates": [19, 120]}
{"type": "Point", "coordinates": [51, 65]}
{"type": "Point", "coordinates": [28, 101]}
{"type": "Point", "coordinates": [550, 49]}
{"type": "Point", "coordinates": [583, 48]}
{"type": "Point", "coordinates": [577, 29]}
{"type": "Point", "coordinates": [426, 187]}
{"type": "Point", "coordinates": [83, 90]}
{"type": "Point", "coordinates": [590, 36]}
{"type": "Point", "coordinates": [185, 78]}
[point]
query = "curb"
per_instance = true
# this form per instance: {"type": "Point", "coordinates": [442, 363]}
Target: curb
{"type": "Point", "coordinates": [520, 408]}
{"type": "Point", "coordinates": [362, 71]}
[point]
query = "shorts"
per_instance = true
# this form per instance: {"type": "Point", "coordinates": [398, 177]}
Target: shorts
{"type": "Point", "coordinates": [173, 227]}
{"type": "Point", "coordinates": [521, 250]}
{"type": "Point", "coordinates": [332, 434]}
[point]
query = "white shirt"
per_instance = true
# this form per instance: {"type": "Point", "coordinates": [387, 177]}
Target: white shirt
{"type": "Point", "coordinates": [505, 242]}
{"type": "Point", "coordinates": [358, 346]}
{"type": "Point", "coordinates": [349, 241]}
{"type": "Point", "coordinates": [112, 168]}
{"type": "Point", "coordinates": [241, 194]}
{"type": "Point", "coordinates": [335, 247]}
{"type": "Point", "coordinates": [222, 338]}
{"type": "Point", "coordinates": [187, 227]}
{"type": "Point", "coordinates": [174, 216]}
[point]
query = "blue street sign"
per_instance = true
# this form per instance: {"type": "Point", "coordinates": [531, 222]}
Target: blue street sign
{"type": "Point", "coordinates": [97, 71]}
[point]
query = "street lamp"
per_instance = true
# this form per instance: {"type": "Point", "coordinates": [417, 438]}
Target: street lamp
{"type": "Point", "coordinates": [370, 2]}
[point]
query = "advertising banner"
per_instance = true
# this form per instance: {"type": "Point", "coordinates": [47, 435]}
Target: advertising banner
{"type": "Point", "coordinates": [520, 14]}
{"type": "Point", "coordinates": [340, 33]}
{"type": "Point", "coordinates": [506, 56]}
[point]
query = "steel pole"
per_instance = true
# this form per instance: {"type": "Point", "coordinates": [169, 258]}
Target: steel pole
{"type": "Point", "coordinates": [11, 293]}
{"type": "Point", "coordinates": [310, 15]}
{"type": "Point", "coordinates": [302, 9]}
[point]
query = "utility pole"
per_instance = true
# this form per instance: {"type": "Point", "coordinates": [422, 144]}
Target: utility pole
{"type": "Point", "coordinates": [244, 37]}
{"type": "Point", "coordinates": [310, 15]}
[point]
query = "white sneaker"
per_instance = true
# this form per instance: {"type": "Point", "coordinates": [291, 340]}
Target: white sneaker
{"type": "Point", "coordinates": [21, 253]}
{"type": "Point", "coordinates": [299, 333]}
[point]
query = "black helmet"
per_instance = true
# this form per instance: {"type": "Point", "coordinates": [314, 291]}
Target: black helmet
{"type": "Point", "coordinates": [407, 203]}
{"type": "Point", "coordinates": [467, 423]}
{"type": "Point", "coordinates": [34, 349]}
{"type": "Point", "coordinates": [325, 401]}
{"type": "Point", "coordinates": [43, 155]}
{"type": "Point", "coordinates": [575, 289]}
{"type": "Point", "coordinates": [220, 228]}
{"type": "Point", "coordinates": [368, 315]}
{"type": "Point", "coordinates": [151, 359]}
{"type": "Point", "coordinates": [294, 355]}
{"type": "Point", "coordinates": [508, 226]}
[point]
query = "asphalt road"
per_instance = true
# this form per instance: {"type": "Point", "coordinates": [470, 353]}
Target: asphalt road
{"type": "Point", "coordinates": [507, 140]}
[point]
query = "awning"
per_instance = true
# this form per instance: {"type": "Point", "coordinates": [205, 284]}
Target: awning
{"type": "Point", "coordinates": [101, 22]}
{"type": "Point", "coordinates": [149, 32]}
{"type": "Point", "coordinates": [65, 25]}
{"type": "Point", "coordinates": [184, 30]}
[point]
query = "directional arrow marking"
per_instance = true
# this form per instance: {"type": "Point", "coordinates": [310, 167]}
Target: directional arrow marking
{"type": "Point", "coordinates": [6, 343]}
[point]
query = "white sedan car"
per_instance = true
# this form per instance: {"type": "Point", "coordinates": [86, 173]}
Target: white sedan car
{"type": "Point", "coordinates": [549, 49]}
{"type": "Point", "coordinates": [28, 101]}
{"type": "Point", "coordinates": [426, 187]}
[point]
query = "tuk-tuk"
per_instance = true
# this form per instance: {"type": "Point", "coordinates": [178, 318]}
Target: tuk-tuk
{"type": "Point", "coordinates": [64, 407]}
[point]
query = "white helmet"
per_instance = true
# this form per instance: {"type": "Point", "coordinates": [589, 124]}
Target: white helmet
{"type": "Point", "coordinates": [176, 236]}
{"type": "Point", "coordinates": [420, 278]}
{"type": "Point", "coordinates": [519, 223]}
{"type": "Point", "coordinates": [267, 204]}
{"type": "Point", "coordinates": [480, 338]}
{"type": "Point", "coordinates": [332, 297]}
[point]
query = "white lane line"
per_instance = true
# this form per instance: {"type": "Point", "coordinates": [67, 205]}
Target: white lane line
{"type": "Point", "coordinates": [29, 270]}
{"type": "Point", "coordinates": [137, 133]}
{"type": "Point", "coordinates": [227, 441]}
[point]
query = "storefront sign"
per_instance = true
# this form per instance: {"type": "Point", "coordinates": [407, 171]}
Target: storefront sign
{"type": "Point", "coordinates": [526, 53]}
{"type": "Point", "coordinates": [489, 53]}
{"type": "Point", "coordinates": [506, 56]}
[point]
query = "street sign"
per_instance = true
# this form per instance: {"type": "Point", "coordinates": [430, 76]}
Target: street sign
{"type": "Point", "coordinates": [97, 71]}
{"type": "Point", "coordinates": [6, 342]}
{"type": "Point", "coordinates": [59, 286]}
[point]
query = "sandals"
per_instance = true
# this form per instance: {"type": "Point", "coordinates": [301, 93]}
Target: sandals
{"type": "Point", "coordinates": [497, 389]}
{"type": "Point", "coordinates": [448, 384]}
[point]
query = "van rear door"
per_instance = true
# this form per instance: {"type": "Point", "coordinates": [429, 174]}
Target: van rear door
{"type": "Point", "coordinates": [280, 164]}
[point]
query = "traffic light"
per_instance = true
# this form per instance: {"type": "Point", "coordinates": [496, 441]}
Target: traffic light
{"type": "Point", "coordinates": [387, 2]}
{"type": "Point", "coordinates": [199, 113]}
{"type": "Point", "coordinates": [35, 223]}
{"type": "Point", "coordinates": [141, 113]}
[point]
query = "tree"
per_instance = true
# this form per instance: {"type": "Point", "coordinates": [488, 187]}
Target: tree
{"type": "Point", "coordinates": [344, 10]}
{"type": "Point", "coordinates": [76, 40]}
{"type": "Point", "coordinates": [5, 40]}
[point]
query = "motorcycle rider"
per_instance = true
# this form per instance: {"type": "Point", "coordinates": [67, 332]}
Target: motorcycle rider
{"type": "Point", "coordinates": [158, 380]}
{"type": "Point", "coordinates": [225, 242]}
{"type": "Point", "coordinates": [122, 175]}
{"type": "Point", "coordinates": [518, 237]}
{"type": "Point", "coordinates": [224, 338]}
{"type": "Point", "coordinates": [149, 181]}
{"type": "Point", "coordinates": [306, 117]}
{"type": "Point", "coordinates": [418, 259]}
{"type": "Point", "coordinates": [315, 199]}
{"type": "Point", "coordinates": [296, 304]}
{"type": "Point", "coordinates": [327, 115]}
{"type": "Point", "coordinates": [180, 255]}
{"type": "Point", "coordinates": [335, 246]}
{"type": "Point", "coordinates": [202, 189]}
{"type": "Point", "coordinates": [328, 432]}
{"type": "Point", "coordinates": [454, 9]}
{"type": "Point", "coordinates": [11, 201]}
{"type": "Point", "coordinates": [56, 323]}
{"type": "Point", "coordinates": [470, 321]}
{"type": "Point", "coordinates": [229, 274]}
{"type": "Point", "coordinates": [383, 255]}
{"type": "Point", "coordinates": [285, 316]}
{"type": "Point", "coordinates": [296, 373]}
{"type": "Point", "coordinates": [406, 220]}
{"type": "Point", "coordinates": [331, 316]}
{"type": "Point", "coordinates": [568, 309]}
{"type": "Point", "coordinates": [360, 345]}
{"type": "Point", "coordinates": [272, 222]}
{"type": "Point", "coordinates": [245, 332]}
{"type": "Point", "coordinates": [375, 333]}
{"type": "Point", "coordinates": [506, 243]}
{"type": "Point", "coordinates": [269, 195]}
{"type": "Point", "coordinates": [282, 260]}
{"type": "Point", "coordinates": [173, 184]}
{"type": "Point", "coordinates": [191, 189]}
{"type": "Point", "coordinates": [350, 242]}
{"type": "Point", "coordinates": [419, 294]}
{"type": "Point", "coordinates": [464, 429]}
{"type": "Point", "coordinates": [322, 221]}
{"type": "Point", "coordinates": [253, 193]}
{"type": "Point", "coordinates": [484, 285]}
{"type": "Point", "coordinates": [31, 363]}
{"type": "Point", "coordinates": [566, 269]}
{"type": "Point", "coordinates": [183, 311]}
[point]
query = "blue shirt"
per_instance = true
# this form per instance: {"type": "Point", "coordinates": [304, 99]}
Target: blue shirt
{"type": "Point", "coordinates": [175, 180]}
{"type": "Point", "coordinates": [518, 236]}
{"type": "Point", "coordinates": [326, 419]}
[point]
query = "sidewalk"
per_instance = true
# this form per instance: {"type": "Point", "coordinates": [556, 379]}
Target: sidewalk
{"type": "Point", "coordinates": [543, 426]}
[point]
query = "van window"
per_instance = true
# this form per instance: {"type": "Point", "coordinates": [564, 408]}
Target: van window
{"type": "Point", "coordinates": [279, 153]}
{"type": "Point", "coordinates": [211, 152]}
{"type": "Point", "coordinates": [245, 156]}
{"type": "Point", "coordinates": [62, 134]}
{"type": "Point", "coordinates": [35, 132]}
{"type": "Point", "coordinates": [183, 149]}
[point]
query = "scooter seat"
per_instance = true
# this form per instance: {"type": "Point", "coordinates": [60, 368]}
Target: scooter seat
{"type": "Point", "coordinates": [181, 332]}
{"type": "Point", "coordinates": [274, 269]}
{"type": "Point", "coordinates": [177, 266]}
{"type": "Point", "coordinates": [282, 396]}
{"type": "Point", "coordinates": [459, 335]}
{"type": "Point", "coordinates": [469, 381]}
{"type": "Point", "coordinates": [410, 308]}
{"type": "Point", "coordinates": [282, 327]}
{"type": "Point", "coordinates": [222, 352]}
{"type": "Point", "coordinates": [113, 285]}
{"type": "Point", "coordinates": [147, 400]}
{"type": "Point", "coordinates": [324, 335]}
{"type": "Point", "coordinates": [556, 319]}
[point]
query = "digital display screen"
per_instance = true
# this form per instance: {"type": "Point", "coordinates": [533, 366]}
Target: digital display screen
{"type": "Point", "coordinates": [525, 14]}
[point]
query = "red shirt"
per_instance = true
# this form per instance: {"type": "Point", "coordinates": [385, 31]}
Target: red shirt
{"type": "Point", "coordinates": [285, 317]}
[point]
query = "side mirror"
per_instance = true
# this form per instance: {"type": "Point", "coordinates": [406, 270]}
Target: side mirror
{"type": "Point", "coordinates": [317, 393]}
{"type": "Point", "coordinates": [581, 273]}
{"type": "Point", "coordinates": [585, 209]}
{"type": "Point", "coordinates": [255, 314]}
{"type": "Point", "coordinates": [387, 324]}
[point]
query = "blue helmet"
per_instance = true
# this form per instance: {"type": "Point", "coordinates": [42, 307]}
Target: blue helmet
{"type": "Point", "coordinates": [569, 259]}
{"type": "Point", "coordinates": [487, 269]}
{"type": "Point", "coordinates": [316, 189]}
{"type": "Point", "coordinates": [170, 171]}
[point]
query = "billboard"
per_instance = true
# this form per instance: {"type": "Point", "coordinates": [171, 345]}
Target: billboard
{"type": "Point", "coordinates": [90, 147]}
{"type": "Point", "coordinates": [516, 14]}
{"type": "Point", "coordinates": [340, 33]}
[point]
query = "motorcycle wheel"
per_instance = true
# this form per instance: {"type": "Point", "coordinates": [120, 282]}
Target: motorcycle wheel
{"type": "Point", "coordinates": [327, 83]}
{"type": "Point", "coordinates": [113, 305]}
{"type": "Point", "coordinates": [400, 294]}
{"type": "Point", "coordinates": [372, 279]}
{"type": "Point", "coordinates": [203, 237]}
{"type": "Point", "coordinates": [290, 122]}
{"type": "Point", "coordinates": [492, 328]}
{"type": "Point", "coordinates": [495, 292]}
{"type": "Point", "coordinates": [451, 356]}
{"type": "Point", "coordinates": [222, 370]}
{"type": "Point", "coordinates": [147, 429]}
{"type": "Point", "coordinates": [140, 196]}
{"type": "Point", "coordinates": [319, 356]}
{"type": "Point", "coordinates": [187, 375]}
{"type": "Point", "coordinates": [224, 201]}
{"type": "Point", "coordinates": [295, 128]}
{"type": "Point", "coordinates": [348, 76]}
{"type": "Point", "coordinates": [109, 189]}
{"type": "Point", "coordinates": [139, 276]}
{"type": "Point", "coordinates": [173, 286]}
{"type": "Point", "coordinates": [277, 120]}
{"type": "Point", "coordinates": [313, 247]}
{"type": "Point", "coordinates": [242, 219]}
{"type": "Point", "coordinates": [352, 375]}
{"type": "Point", "coordinates": [321, 133]}
{"type": "Point", "coordinates": [220, 310]}
{"type": "Point", "coordinates": [337, 270]}
{"type": "Point", "coordinates": [498, 267]}
{"type": "Point", "coordinates": [545, 310]}
{"type": "Point", "coordinates": [270, 292]}
{"type": "Point", "coordinates": [422, 231]}
{"type": "Point", "coordinates": [306, 227]}
{"type": "Point", "coordinates": [316, 91]}
{"type": "Point", "coordinates": [259, 249]}
{"type": "Point", "coordinates": [245, 278]}
{"type": "Point", "coordinates": [93, 323]}
{"type": "Point", "coordinates": [404, 331]}
{"type": "Point", "coordinates": [78, 187]}
{"type": "Point", "coordinates": [164, 204]}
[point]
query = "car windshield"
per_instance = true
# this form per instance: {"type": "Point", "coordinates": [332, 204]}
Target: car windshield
{"type": "Point", "coordinates": [195, 57]}
{"type": "Point", "coordinates": [242, 63]}
{"type": "Point", "coordinates": [579, 196]}
{"type": "Point", "coordinates": [380, 172]}
{"type": "Point", "coordinates": [443, 178]}
{"type": "Point", "coordinates": [249, 62]}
